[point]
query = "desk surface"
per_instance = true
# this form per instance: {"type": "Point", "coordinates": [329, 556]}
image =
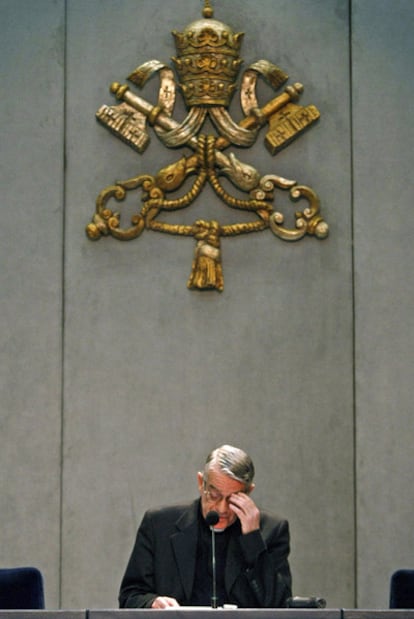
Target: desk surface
{"type": "Point", "coordinates": [207, 613]}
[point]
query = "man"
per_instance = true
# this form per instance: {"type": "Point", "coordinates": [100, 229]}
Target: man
{"type": "Point", "coordinates": [171, 562]}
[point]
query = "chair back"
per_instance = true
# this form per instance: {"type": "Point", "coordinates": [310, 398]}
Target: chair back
{"type": "Point", "coordinates": [21, 588]}
{"type": "Point", "coordinates": [402, 589]}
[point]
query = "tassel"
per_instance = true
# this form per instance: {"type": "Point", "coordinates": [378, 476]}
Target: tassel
{"type": "Point", "coordinates": [206, 272]}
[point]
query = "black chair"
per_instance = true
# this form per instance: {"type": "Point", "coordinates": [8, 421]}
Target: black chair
{"type": "Point", "coordinates": [21, 588]}
{"type": "Point", "coordinates": [402, 589]}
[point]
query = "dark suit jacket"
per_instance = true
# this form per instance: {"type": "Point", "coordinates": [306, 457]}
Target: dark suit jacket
{"type": "Point", "coordinates": [162, 562]}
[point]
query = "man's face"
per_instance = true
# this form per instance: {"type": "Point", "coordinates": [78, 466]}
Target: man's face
{"type": "Point", "coordinates": [216, 495]}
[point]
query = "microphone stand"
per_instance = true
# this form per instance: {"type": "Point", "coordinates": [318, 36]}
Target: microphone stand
{"type": "Point", "coordinates": [212, 518]}
{"type": "Point", "coordinates": [213, 565]}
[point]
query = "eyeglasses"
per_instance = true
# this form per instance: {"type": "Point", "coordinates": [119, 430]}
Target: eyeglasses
{"type": "Point", "coordinates": [214, 496]}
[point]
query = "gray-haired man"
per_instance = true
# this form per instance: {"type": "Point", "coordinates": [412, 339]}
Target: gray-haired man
{"type": "Point", "coordinates": [171, 565]}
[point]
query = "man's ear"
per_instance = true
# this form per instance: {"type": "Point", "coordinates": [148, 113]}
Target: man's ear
{"type": "Point", "coordinates": [200, 482]}
{"type": "Point", "coordinates": [252, 487]}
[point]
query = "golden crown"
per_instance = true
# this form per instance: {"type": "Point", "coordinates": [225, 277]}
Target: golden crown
{"type": "Point", "coordinates": [207, 61]}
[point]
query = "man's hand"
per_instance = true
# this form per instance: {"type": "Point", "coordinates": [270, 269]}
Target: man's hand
{"type": "Point", "coordinates": [246, 511]}
{"type": "Point", "coordinates": [164, 602]}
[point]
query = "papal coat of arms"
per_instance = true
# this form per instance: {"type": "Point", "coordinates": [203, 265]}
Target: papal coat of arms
{"type": "Point", "coordinates": [207, 64]}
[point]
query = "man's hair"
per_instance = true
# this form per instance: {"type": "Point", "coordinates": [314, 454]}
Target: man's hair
{"type": "Point", "coordinates": [231, 461]}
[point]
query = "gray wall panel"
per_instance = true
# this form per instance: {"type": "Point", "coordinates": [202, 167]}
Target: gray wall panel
{"type": "Point", "coordinates": [31, 175]}
{"type": "Point", "coordinates": [157, 375]}
{"type": "Point", "coordinates": [383, 61]}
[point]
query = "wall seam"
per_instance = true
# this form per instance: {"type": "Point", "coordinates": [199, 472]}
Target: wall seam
{"type": "Point", "coordinates": [63, 256]}
{"type": "Point", "coordinates": [352, 205]}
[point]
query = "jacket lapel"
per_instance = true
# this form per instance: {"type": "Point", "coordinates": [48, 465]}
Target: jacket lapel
{"type": "Point", "coordinates": [233, 563]}
{"type": "Point", "coordinates": [184, 543]}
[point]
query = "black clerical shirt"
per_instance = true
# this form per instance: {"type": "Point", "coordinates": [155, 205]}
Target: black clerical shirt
{"type": "Point", "coordinates": [203, 577]}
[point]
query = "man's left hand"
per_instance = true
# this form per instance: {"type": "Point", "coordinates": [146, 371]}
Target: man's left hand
{"type": "Point", "coordinates": [246, 511]}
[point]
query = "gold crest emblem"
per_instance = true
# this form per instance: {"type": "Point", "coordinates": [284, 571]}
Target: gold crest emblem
{"type": "Point", "coordinates": [207, 64]}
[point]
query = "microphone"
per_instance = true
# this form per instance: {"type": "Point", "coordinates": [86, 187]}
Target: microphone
{"type": "Point", "coordinates": [212, 518]}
